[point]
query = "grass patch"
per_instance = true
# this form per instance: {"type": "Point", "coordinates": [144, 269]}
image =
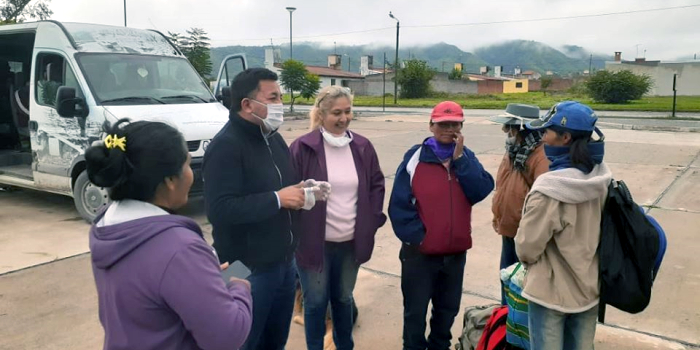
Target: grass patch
{"type": "Point", "coordinates": [649, 104]}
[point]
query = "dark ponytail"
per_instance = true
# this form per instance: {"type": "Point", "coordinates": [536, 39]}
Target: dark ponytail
{"type": "Point", "coordinates": [152, 152]}
{"type": "Point", "coordinates": [578, 148]}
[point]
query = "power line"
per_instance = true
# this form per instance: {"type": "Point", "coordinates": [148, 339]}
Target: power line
{"type": "Point", "coordinates": [471, 24]}
{"type": "Point", "coordinates": [553, 18]}
{"type": "Point", "coordinates": [319, 36]}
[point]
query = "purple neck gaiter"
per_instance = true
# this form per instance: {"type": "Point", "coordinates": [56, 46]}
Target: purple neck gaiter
{"type": "Point", "coordinates": [441, 150]}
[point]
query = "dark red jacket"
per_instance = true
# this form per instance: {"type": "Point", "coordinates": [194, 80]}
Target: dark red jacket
{"type": "Point", "coordinates": [309, 161]}
{"type": "Point", "coordinates": [431, 204]}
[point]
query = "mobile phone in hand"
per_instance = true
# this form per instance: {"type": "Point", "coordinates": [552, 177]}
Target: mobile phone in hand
{"type": "Point", "coordinates": [237, 269]}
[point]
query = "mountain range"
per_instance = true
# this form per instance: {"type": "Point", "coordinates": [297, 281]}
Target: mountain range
{"type": "Point", "coordinates": [527, 55]}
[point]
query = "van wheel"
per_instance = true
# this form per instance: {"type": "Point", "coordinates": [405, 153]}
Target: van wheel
{"type": "Point", "coordinates": [89, 199]}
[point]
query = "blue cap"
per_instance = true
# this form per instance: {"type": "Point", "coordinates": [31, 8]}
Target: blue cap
{"type": "Point", "coordinates": [570, 115]}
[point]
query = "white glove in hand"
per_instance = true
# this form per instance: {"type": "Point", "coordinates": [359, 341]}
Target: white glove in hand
{"type": "Point", "coordinates": [309, 198]}
{"type": "Point", "coordinates": [325, 189]}
{"type": "Point", "coordinates": [310, 183]}
{"type": "Point", "coordinates": [321, 189]}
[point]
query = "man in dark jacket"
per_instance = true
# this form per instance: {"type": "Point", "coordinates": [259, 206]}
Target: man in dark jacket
{"type": "Point", "coordinates": [252, 195]}
{"type": "Point", "coordinates": [430, 209]}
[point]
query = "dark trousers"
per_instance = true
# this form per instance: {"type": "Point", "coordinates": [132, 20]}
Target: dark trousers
{"type": "Point", "coordinates": [426, 278]}
{"type": "Point", "coordinates": [273, 291]}
{"type": "Point", "coordinates": [508, 258]}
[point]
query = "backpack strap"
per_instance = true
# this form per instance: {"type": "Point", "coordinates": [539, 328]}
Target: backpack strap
{"type": "Point", "coordinates": [515, 270]}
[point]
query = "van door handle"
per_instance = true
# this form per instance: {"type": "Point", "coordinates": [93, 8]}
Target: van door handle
{"type": "Point", "coordinates": [33, 126]}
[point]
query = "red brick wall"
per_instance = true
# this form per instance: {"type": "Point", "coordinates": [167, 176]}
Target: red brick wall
{"type": "Point", "coordinates": [486, 87]}
{"type": "Point", "coordinates": [558, 84]}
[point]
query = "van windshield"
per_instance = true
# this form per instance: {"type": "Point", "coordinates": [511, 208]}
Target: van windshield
{"type": "Point", "coordinates": [121, 79]}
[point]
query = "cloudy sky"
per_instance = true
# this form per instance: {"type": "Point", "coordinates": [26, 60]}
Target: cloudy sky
{"type": "Point", "coordinates": [665, 34]}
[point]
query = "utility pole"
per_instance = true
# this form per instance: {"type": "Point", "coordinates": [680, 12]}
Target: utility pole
{"type": "Point", "coordinates": [384, 85]}
{"type": "Point", "coordinates": [124, 13]}
{"type": "Point", "coordinates": [348, 62]}
{"type": "Point", "coordinates": [396, 60]}
{"type": "Point", "coordinates": [590, 66]}
{"type": "Point", "coordinates": [674, 96]}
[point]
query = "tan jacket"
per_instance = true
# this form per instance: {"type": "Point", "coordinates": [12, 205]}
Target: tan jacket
{"type": "Point", "coordinates": [558, 238]}
{"type": "Point", "coordinates": [512, 187]}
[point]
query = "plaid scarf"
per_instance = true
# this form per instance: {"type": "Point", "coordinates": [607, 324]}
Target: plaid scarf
{"type": "Point", "coordinates": [519, 153]}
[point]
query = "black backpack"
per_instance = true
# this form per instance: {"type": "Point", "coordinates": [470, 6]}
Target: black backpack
{"type": "Point", "coordinates": [629, 249]}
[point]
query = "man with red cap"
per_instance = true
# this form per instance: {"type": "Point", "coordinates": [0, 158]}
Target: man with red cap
{"type": "Point", "coordinates": [430, 209]}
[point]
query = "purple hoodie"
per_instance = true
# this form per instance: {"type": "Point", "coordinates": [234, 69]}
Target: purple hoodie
{"type": "Point", "coordinates": [159, 287]}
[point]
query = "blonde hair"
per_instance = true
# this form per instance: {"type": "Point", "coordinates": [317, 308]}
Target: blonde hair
{"type": "Point", "coordinates": [324, 101]}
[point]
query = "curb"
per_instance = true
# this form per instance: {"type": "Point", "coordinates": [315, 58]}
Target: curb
{"type": "Point", "coordinates": [650, 127]}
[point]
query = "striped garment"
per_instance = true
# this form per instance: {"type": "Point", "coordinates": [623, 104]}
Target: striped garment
{"type": "Point", "coordinates": [517, 331]}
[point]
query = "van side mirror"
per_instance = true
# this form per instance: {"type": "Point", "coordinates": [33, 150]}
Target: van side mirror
{"type": "Point", "coordinates": [66, 103]}
{"type": "Point", "coordinates": [226, 96]}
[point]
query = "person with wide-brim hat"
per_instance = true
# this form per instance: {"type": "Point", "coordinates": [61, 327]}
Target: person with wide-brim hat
{"type": "Point", "coordinates": [523, 162]}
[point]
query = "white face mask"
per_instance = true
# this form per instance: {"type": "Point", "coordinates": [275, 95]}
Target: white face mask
{"type": "Point", "coordinates": [275, 116]}
{"type": "Point", "coordinates": [336, 141]}
{"type": "Point", "coordinates": [510, 140]}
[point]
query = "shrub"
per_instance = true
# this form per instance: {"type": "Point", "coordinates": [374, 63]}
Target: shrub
{"type": "Point", "coordinates": [618, 87]}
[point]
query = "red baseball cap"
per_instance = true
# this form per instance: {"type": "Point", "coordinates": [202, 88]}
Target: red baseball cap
{"type": "Point", "coordinates": [447, 111]}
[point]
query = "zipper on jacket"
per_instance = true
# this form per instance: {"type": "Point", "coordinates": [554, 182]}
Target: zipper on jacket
{"type": "Point", "coordinates": [279, 174]}
{"type": "Point", "coordinates": [449, 184]}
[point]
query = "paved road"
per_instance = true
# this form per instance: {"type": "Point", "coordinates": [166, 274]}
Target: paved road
{"type": "Point", "coordinates": [645, 121]}
{"type": "Point", "coordinates": [48, 300]}
{"type": "Point", "coordinates": [490, 112]}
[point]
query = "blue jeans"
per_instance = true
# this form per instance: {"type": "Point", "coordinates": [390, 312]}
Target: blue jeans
{"type": "Point", "coordinates": [554, 330]}
{"type": "Point", "coordinates": [273, 291]}
{"type": "Point", "coordinates": [335, 283]}
{"type": "Point", "coordinates": [426, 278]}
{"type": "Point", "coordinates": [508, 258]}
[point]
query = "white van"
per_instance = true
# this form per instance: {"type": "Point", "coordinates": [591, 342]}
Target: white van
{"type": "Point", "coordinates": [59, 82]}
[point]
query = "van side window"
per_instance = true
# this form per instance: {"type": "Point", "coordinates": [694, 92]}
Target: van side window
{"type": "Point", "coordinates": [53, 71]}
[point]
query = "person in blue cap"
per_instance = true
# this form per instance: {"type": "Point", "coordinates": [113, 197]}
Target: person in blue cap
{"type": "Point", "coordinates": [560, 230]}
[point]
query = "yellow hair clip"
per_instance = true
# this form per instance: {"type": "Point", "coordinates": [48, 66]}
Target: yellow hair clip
{"type": "Point", "coordinates": [113, 141]}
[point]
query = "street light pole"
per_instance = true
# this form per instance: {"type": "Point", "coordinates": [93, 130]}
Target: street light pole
{"type": "Point", "coordinates": [396, 60]}
{"type": "Point", "coordinates": [124, 13]}
{"type": "Point", "coordinates": [290, 9]}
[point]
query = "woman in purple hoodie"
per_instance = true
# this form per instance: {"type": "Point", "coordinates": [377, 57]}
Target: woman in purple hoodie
{"type": "Point", "coordinates": [159, 283]}
{"type": "Point", "coordinates": [338, 236]}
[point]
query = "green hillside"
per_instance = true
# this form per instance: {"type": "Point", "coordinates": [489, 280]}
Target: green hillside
{"type": "Point", "coordinates": [528, 55]}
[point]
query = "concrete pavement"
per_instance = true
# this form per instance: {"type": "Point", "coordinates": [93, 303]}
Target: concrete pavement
{"type": "Point", "coordinates": [47, 303]}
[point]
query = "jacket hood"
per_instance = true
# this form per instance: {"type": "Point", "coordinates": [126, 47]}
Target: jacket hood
{"type": "Point", "coordinates": [573, 186]}
{"type": "Point", "coordinates": [109, 244]}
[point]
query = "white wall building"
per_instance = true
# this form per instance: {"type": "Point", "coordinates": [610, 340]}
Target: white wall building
{"type": "Point", "coordinates": [661, 73]}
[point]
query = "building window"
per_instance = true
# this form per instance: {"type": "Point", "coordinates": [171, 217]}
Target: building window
{"type": "Point", "coordinates": [345, 83]}
{"type": "Point", "coordinates": [518, 85]}
{"type": "Point", "coordinates": [332, 81]}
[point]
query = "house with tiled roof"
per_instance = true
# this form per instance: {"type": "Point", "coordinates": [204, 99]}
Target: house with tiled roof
{"type": "Point", "coordinates": [531, 74]}
{"type": "Point", "coordinates": [329, 75]}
